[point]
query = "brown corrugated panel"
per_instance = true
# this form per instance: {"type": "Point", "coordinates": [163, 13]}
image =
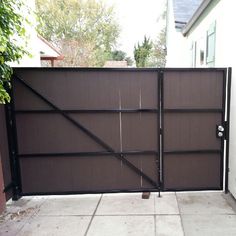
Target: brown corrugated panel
{"type": "Point", "coordinates": [149, 90]}
{"type": "Point", "coordinates": [71, 89]}
{"type": "Point", "coordinates": [4, 152]}
{"type": "Point", "coordinates": [103, 173]}
{"type": "Point", "coordinates": [139, 131]}
{"type": "Point", "coordinates": [106, 126]}
{"type": "Point", "coordinates": [192, 171]}
{"type": "Point", "coordinates": [193, 89]}
{"type": "Point", "coordinates": [52, 133]}
{"type": "Point", "coordinates": [192, 131]}
{"type": "Point", "coordinates": [70, 174]}
{"type": "Point", "coordinates": [149, 165]}
{"type": "Point", "coordinates": [138, 89]}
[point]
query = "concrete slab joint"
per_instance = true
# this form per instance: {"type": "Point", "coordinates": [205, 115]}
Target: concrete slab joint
{"type": "Point", "coordinates": [207, 213]}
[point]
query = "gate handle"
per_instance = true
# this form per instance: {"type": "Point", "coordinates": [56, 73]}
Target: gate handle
{"type": "Point", "coordinates": [220, 131]}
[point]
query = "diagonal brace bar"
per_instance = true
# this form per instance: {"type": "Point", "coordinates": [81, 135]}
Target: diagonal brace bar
{"type": "Point", "coordinates": [89, 133]}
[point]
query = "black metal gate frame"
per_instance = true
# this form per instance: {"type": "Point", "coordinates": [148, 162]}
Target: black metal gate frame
{"type": "Point", "coordinates": [227, 73]}
{"type": "Point", "coordinates": [16, 185]}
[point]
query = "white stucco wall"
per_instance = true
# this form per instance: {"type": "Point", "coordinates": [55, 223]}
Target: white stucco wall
{"type": "Point", "coordinates": [223, 12]}
{"type": "Point", "coordinates": [32, 47]}
{"type": "Point", "coordinates": [177, 54]}
{"type": "Point", "coordinates": [198, 33]}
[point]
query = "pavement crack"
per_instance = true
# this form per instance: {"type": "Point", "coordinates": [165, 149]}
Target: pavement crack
{"type": "Point", "coordinates": [155, 218]}
{"type": "Point", "coordinates": [94, 213]}
{"type": "Point", "coordinates": [181, 220]}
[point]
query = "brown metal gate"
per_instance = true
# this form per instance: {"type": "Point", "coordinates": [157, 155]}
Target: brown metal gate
{"type": "Point", "coordinates": [193, 110]}
{"type": "Point", "coordinates": [109, 130]}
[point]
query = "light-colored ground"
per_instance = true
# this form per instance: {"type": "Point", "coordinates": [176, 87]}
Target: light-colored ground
{"type": "Point", "coordinates": [173, 214]}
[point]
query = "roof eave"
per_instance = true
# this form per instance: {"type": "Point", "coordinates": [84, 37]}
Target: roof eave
{"type": "Point", "coordinates": [46, 58]}
{"type": "Point", "coordinates": [196, 16]}
{"type": "Point", "coordinates": [50, 45]}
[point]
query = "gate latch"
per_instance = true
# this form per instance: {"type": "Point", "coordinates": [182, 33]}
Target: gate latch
{"type": "Point", "coordinates": [220, 131]}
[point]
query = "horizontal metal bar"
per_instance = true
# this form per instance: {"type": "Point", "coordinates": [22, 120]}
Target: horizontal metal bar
{"type": "Point", "coordinates": [103, 69]}
{"type": "Point", "coordinates": [89, 69]}
{"type": "Point", "coordinates": [92, 192]}
{"type": "Point", "coordinates": [85, 154]}
{"type": "Point", "coordinates": [192, 152]}
{"type": "Point", "coordinates": [189, 69]}
{"type": "Point", "coordinates": [122, 191]}
{"type": "Point", "coordinates": [88, 111]}
{"type": "Point", "coordinates": [192, 189]}
{"type": "Point", "coordinates": [186, 110]}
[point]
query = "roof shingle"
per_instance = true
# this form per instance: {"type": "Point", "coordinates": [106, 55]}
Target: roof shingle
{"type": "Point", "coordinates": [183, 11]}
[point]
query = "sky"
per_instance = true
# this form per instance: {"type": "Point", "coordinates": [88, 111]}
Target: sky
{"type": "Point", "coordinates": [137, 18]}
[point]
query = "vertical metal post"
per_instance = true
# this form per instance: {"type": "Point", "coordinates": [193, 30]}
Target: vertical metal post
{"type": "Point", "coordinates": [160, 138]}
{"type": "Point", "coordinates": [158, 126]}
{"type": "Point", "coordinates": [223, 118]}
{"type": "Point", "coordinates": [13, 147]}
{"type": "Point", "coordinates": [228, 129]}
{"type": "Point", "coordinates": [162, 128]}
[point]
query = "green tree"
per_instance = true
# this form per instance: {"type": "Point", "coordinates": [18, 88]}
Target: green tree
{"type": "Point", "coordinates": [129, 61]}
{"type": "Point", "coordinates": [11, 32]}
{"type": "Point", "coordinates": [157, 56]}
{"type": "Point", "coordinates": [142, 52]}
{"type": "Point", "coordinates": [118, 55]}
{"type": "Point", "coordinates": [86, 31]}
{"type": "Point", "coordinates": [159, 52]}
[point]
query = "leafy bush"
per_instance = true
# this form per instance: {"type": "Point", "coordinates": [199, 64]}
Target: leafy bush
{"type": "Point", "coordinates": [12, 41]}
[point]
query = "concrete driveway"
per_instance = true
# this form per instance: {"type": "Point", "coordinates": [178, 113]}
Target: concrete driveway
{"type": "Point", "coordinates": [205, 213]}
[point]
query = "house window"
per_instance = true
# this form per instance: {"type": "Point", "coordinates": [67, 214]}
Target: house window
{"type": "Point", "coordinates": [211, 38]}
{"type": "Point", "coordinates": [201, 57]}
{"type": "Point", "coordinates": [194, 53]}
